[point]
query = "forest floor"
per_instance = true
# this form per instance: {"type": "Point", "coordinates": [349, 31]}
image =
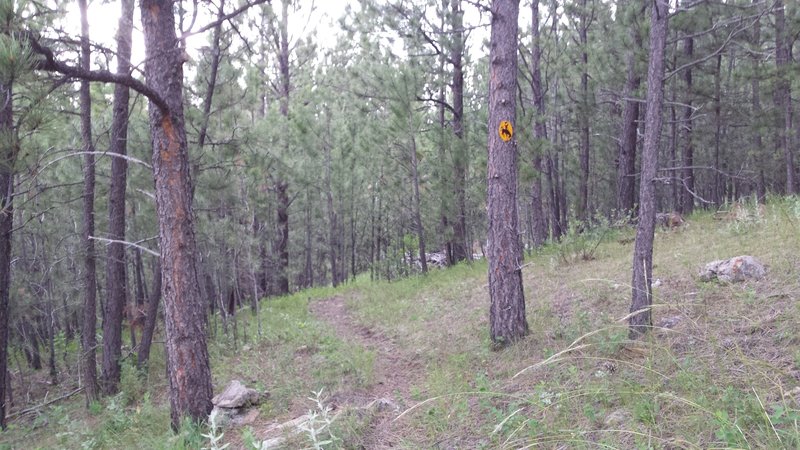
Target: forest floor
{"type": "Point", "coordinates": [408, 363]}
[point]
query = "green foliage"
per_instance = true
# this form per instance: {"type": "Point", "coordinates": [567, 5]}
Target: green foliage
{"type": "Point", "coordinates": [581, 241]}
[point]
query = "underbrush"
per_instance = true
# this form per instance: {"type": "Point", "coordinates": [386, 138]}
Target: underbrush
{"type": "Point", "coordinates": [721, 368]}
{"type": "Point", "coordinates": [717, 371]}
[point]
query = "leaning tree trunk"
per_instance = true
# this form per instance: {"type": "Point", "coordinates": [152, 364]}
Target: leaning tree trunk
{"type": "Point", "coordinates": [507, 312]}
{"type": "Point", "coordinates": [640, 320]}
{"type": "Point", "coordinates": [8, 155]}
{"type": "Point", "coordinates": [188, 366]}
{"type": "Point", "coordinates": [116, 273]}
{"type": "Point", "coordinates": [88, 339]}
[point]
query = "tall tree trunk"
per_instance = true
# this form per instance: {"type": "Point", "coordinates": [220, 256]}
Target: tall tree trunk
{"type": "Point", "coordinates": [188, 367]}
{"type": "Point", "coordinates": [8, 156]}
{"type": "Point", "coordinates": [784, 92]}
{"type": "Point", "coordinates": [507, 312]}
{"type": "Point", "coordinates": [208, 98]}
{"type": "Point", "coordinates": [626, 169]}
{"type": "Point", "coordinates": [282, 244]}
{"type": "Point", "coordinates": [757, 112]}
{"type": "Point", "coordinates": [116, 273]}
{"type": "Point", "coordinates": [150, 320]}
{"type": "Point", "coordinates": [30, 339]}
{"type": "Point", "coordinates": [333, 235]}
{"type": "Point", "coordinates": [308, 269]}
{"type": "Point", "coordinates": [281, 185]}
{"type": "Point", "coordinates": [718, 190]}
{"type": "Point", "coordinates": [88, 339]}
{"type": "Point", "coordinates": [641, 318]}
{"type": "Point", "coordinates": [557, 197]}
{"type": "Point", "coordinates": [418, 224]}
{"type": "Point", "coordinates": [460, 157]}
{"type": "Point", "coordinates": [687, 173]}
{"type": "Point", "coordinates": [583, 181]}
{"type": "Point", "coordinates": [539, 231]}
{"type": "Point", "coordinates": [445, 183]}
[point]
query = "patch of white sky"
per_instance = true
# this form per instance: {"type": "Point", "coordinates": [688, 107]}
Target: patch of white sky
{"type": "Point", "coordinates": [317, 17]}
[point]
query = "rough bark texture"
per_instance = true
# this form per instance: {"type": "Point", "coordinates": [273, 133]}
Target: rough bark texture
{"type": "Point", "coordinates": [643, 247]}
{"type": "Point", "coordinates": [116, 274]}
{"type": "Point", "coordinates": [504, 252]}
{"type": "Point", "coordinates": [88, 339]}
{"type": "Point", "coordinates": [188, 369]}
{"type": "Point", "coordinates": [539, 229]}
{"type": "Point", "coordinates": [783, 93]}
{"type": "Point", "coordinates": [8, 156]}
{"type": "Point", "coordinates": [282, 187]}
{"type": "Point", "coordinates": [460, 159]}
{"type": "Point", "coordinates": [626, 169]}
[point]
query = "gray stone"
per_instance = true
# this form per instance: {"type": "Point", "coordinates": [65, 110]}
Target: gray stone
{"type": "Point", "coordinates": [236, 395]}
{"type": "Point", "coordinates": [734, 270]}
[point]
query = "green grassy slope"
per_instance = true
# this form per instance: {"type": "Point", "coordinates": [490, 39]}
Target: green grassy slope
{"type": "Point", "coordinates": [718, 371]}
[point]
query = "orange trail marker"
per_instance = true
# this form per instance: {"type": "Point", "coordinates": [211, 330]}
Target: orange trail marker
{"type": "Point", "coordinates": [506, 131]}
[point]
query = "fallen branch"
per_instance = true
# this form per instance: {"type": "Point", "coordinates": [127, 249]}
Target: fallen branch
{"type": "Point", "coordinates": [36, 408]}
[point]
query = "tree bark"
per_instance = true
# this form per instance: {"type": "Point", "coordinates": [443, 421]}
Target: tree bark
{"type": "Point", "coordinates": [626, 169]}
{"type": "Point", "coordinates": [718, 190]}
{"type": "Point", "coordinates": [308, 268]}
{"type": "Point", "coordinates": [757, 111]}
{"type": "Point", "coordinates": [460, 157]}
{"type": "Point", "coordinates": [507, 312]}
{"type": "Point", "coordinates": [8, 156]}
{"type": "Point", "coordinates": [88, 339]}
{"type": "Point", "coordinates": [116, 273]}
{"type": "Point", "coordinates": [333, 236]}
{"type": "Point", "coordinates": [188, 367]}
{"type": "Point", "coordinates": [539, 231]}
{"type": "Point", "coordinates": [150, 320]}
{"type": "Point", "coordinates": [281, 185]}
{"type": "Point", "coordinates": [784, 92]}
{"type": "Point", "coordinates": [687, 173]}
{"type": "Point", "coordinates": [282, 244]}
{"type": "Point", "coordinates": [583, 182]}
{"type": "Point", "coordinates": [641, 319]}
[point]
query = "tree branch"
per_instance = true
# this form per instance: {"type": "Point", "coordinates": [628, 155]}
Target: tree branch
{"type": "Point", "coordinates": [224, 18]}
{"type": "Point", "coordinates": [126, 243]}
{"type": "Point", "coordinates": [50, 64]}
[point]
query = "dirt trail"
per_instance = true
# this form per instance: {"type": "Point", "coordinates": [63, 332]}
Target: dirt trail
{"type": "Point", "coordinates": [395, 371]}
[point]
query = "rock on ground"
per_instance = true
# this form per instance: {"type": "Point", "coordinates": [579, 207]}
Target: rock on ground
{"type": "Point", "coordinates": [734, 270]}
{"type": "Point", "coordinates": [236, 395]}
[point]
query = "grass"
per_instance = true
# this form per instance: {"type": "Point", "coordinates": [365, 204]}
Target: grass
{"type": "Point", "coordinates": [714, 373]}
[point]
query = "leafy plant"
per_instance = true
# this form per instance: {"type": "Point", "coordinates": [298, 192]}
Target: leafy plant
{"type": "Point", "coordinates": [214, 435]}
{"type": "Point", "coordinates": [318, 426]}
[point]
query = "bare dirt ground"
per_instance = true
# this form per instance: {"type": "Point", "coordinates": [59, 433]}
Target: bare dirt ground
{"type": "Point", "coordinates": [395, 371]}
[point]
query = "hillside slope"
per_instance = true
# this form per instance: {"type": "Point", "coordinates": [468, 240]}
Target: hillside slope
{"type": "Point", "coordinates": [721, 369]}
